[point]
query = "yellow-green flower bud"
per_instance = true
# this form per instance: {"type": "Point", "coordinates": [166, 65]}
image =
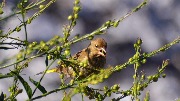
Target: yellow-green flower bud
{"type": "Point", "coordinates": [41, 6]}
{"type": "Point", "coordinates": [70, 17]}
{"type": "Point", "coordinates": [143, 61]}
{"type": "Point", "coordinates": [90, 37]}
{"type": "Point", "coordinates": [29, 21]}
{"type": "Point", "coordinates": [18, 29]}
{"type": "Point", "coordinates": [76, 2]}
{"type": "Point", "coordinates": [139, 41]}
{"type": "Point", "coordinates": [164, 75]}
{"type": "Point", "coordinates": [75, 16]}
{"type": "Point", "coordinates": [61, 76]}
{"type": "Point", "coordinates": [105, 88]}
{"type": "Point", "coordinates": [1, 11]}
{"type": "Point", "coordinates": [76, 8]}
{"type": "Point", "coordinates": [49, 57]}
{"type": "Point", "coordinates": [108, 22]}
{"type": "Point", "coordinates": [116, 24]}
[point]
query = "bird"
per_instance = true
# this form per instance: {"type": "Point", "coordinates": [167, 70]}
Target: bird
{"type": "Point", "coordinates": [94, 58]}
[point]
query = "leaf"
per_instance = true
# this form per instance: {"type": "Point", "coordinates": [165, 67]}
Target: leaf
{"type": "Point", "coordinates": [40, 87]}
{"type": "Point", "coordinates": [2, 97]}
{"type": "Point", "coordinates": [25, 84]}
{"type": "Point", "coordinates": [5, 76]}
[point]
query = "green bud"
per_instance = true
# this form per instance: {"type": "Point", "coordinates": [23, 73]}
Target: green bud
{"type": "Point", "coordinates": [149, 78]}
{"type": "Point", "coordinates": [115, 87]}
{"type": "Point", "coordinates": [138, 64]}
{"type": "Point", "coordinates": [94, 82]}
{"type": "Point", "coordinates": [130, 59]}
{"type": "Point", "coordinates": [135, 45]}
{"type": "Point", "coordinates": [46, 48]}
{"type": "Point", "coordinates": [145, 85]}
{"type": "Point", "coordinates": [30, 45]}
{"type": "Point", "coordinates": [128, 93]}
{"type": "Point", "coordinates": [29, 51]}
{"type": "Point", "coordinates": [109, 94]}
{"type": "Point", "coordinates": [55, 52]}
{"type": "Point", "coordinates": [76, 16]}
{"type": "Point", "coordinates": [139, 41]}
{"type": "Point", "coordinates": [19, 5]}
{"type": "Point", "coordinates": [74, 23]}
{"type": "Point", "coordinates": [29, 21]}
{"type": "Point", "coordinates": [108, 23]}
{"type": "Point", "coordinates": [143, 77]}
{"type": "Point", "coordinates": [90, 37]}
{"type": "Point", "coordinates": [1, 11]}
{"type": "Point", "coordinates": [58, 48]}
{"type": "Point", "coordinates": [76, 2]}
{"type": "Point", "coordinates": [72, 81]}
{"type": "Point", "coordinates": [101, 79]}
{"type": "Point", "coordinates": [166, 62]}
{"type": "Point", "coordinates": [164, 75]}
{"type": "Point", "coordinates": [34, 43]}
{"type": "Point", "coordinates": [138, 88]}
{"type": "Point", "coordinates": [19, 56]}
{"type": "Point", "coordinates": [85, 64]}
{"type": "Point", "coordinates": [100, 96]}
{"type": "Point", "coordinates": [59, 62]}
{"type": "Point", "coordinates": [42, 43]}
{"type": "Point", "coordinates": [26, 64]}
{"type": "Point", "coordinates": [143, 61]}
{"type": "Point", "coordinates": [134, 76]}
{"type": "Point", "coordinates": [67, 52]}
{"type": "Point", "coordinates": [76, 8]}
{"type": "Point", "coordinates": [155, 78]}
{"type": "Point", "coordinates": [80, 73]}
{"type": "Point", "coordinates": [25, 1]}
{"type": "Point", "coordinates": [116, 24]}
{"type": "Point", "coordinates": [77, 36]}
{"type": "Point", "coordinates": [105, 88]}
{"type": "Point", "coordinates": [49, 57]}
{"type": "Point", "coordinates": [18, 29]}
{"type": "Point", "coordinates": [70, 17]}
{"type": "Point", "coordinates": [61, 39]}
{"type": "Point", "coordinates": [81, 64]}
{"type": "Point", "coordinates": [144, 54]}
{"type": "Point", "coordinates": [106, 76]}
{"type": "Point", "coordinates": [56, 37]}
{"type": "Point", "coordinates": [51, 43]}
{"type": "Point", "coordinates": [61, 76]}
{"type": "Point", "coordinates": [41, 6]}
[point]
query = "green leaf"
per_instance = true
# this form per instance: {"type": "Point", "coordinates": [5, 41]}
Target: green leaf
{"type": "Point", "coordinates": [40, 87]}
{"type": "Point", "coordinates": [2, 97]}
{"type": "Point", "coordinates": [25, 84]}
{"type": "Point", "coordinates": [5, 76]}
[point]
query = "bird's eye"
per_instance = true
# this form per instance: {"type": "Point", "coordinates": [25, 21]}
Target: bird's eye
{"type": "Point", "coordinates": [96, 45]}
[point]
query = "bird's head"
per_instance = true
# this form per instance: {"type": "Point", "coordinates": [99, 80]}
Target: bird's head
{"type": "Point", "coordinates": [97, 52]}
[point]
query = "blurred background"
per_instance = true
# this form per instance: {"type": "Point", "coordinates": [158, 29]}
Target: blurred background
{"type": "Point", "coordinates": [156, 24]}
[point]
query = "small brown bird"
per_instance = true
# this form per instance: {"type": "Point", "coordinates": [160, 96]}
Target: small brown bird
{"type": "Point", "coordinates": [94, 56]}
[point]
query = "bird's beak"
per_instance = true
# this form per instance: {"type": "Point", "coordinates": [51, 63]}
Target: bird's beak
{"type": "Point", "coordinates": [102, 52]}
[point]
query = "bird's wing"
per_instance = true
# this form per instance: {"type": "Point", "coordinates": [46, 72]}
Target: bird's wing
{"type": "Point", "coordinates": [81, 55]}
